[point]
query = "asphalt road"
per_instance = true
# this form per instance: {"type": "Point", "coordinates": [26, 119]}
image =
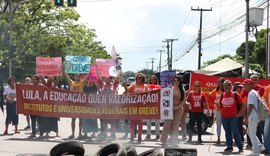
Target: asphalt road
{"type": "Point", "coordinates": [14, 144]}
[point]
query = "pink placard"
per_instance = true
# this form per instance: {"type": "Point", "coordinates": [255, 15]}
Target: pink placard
{"type": "Point", "coordinates": [48, 66]}
{"type": "Point", "coordinates": [106, 67]}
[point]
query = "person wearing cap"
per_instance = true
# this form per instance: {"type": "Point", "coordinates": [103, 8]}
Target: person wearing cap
{"type": "Point", "coordinates": [215, 96]}
{"type": "Point", "coordinates": [238, 87]}
{"type": "Point", "coordinates": [266, 136]}
{"type": "Point", "coordinates": [260, 89]}
{"type": "Point", "coordinates": [252, 118]}
{"type": "Point", "coordinates": [229, 112]}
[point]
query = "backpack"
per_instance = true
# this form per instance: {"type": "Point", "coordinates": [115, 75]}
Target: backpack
{"type": "Point", "coordinates": [262, 110]}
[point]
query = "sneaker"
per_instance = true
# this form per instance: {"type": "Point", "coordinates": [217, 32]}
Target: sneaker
{"type": "Point", "coordinates": [17, 132]}
{"type": "Point", "coordinates": [32, 136]}
{"type": "Point", "coordinates": [248, 147]}
{"type": "Point", "coordinates": [189, 141]}
{"type": "Point", "coordinates": [113, 136]}
{"type": "Point", "coordinates": [262, 148]}
{"type": "Point", "coordinates": [93, 135]}
{"type": "Point", "coordinates": [241, 150]}
{"type": "Point", "coordinates": [71, 136]}
{"type": "Point", "coordinates": [199, 141]}
{"type": "Point", "coordinates": [5, 133]}
{"type": "Point", "coordinates": [27, 127]}
{"type": "Point", "coordinates": [147, 137]}
{"type": "Point", "coordinates": [124, 136]}
{"type": "Point", "coordinates": [228, 149]}
{"type": "Point", "coordinates": [265, 152]}
{"type": "Point", "coordinates": [218, 141]}
{"type": "Point", "coordinates": [131, 140]}
{"type": "Point", "coordinates": [140, 140]}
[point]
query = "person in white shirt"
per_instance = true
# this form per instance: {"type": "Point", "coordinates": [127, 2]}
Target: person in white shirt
{"type": "Point", "coordinates": [252, 118]}
{"type": "Point", "coordinates": [10, 97]}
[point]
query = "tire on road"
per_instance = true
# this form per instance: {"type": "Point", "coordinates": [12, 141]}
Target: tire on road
{"type": "Point", "coordinates": [131, 151]}
{"type": "Point", "coordinates": [152, 152]}
{"type": "Point", "coordinates": [115, 149]}
{"type": "Point", "coordinates": [69, 147]}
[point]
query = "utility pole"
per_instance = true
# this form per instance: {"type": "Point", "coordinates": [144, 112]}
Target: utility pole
{"type": "Point", "coordinates": [160, 56]}
{"type": "Point", "coordinates": [246, 43]}
{"type": "Point", "coordinates": [152, 63]}
{"type": "Point", "coordinates": [147, 64]}
{"type": "Point", "coordinates": [267, 42]}
{"type": "Point", "coordinates": [169, 53]}
{"type": "Point", "coordinates": [200, 34]}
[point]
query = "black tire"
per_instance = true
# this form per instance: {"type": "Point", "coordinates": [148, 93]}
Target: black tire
{"type": "Point", "coordinates": [70, 147]}
{"type": "Point", "coordinates": [152, 152]}
{"type": "Point", "coordinates": [33, 154]}
{"type": "Point", "coordinates": [131, 151]}
{"type": "Point", "coordinates": [115, 149]}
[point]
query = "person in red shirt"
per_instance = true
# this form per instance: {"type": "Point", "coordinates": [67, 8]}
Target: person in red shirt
{"type": "Point", "coordinates": [230, 114]}
{"type": "Point", "coordinates": [197, 103]}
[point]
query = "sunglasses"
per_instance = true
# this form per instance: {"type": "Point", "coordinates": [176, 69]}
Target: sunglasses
{"type": "Point", "coordinates": [139, 77]}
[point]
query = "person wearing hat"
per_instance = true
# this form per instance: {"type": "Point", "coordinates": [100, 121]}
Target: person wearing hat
{"type": "Point", "coordinates": [252, 118]}
{"type": "Point", "coordinates": [229, 112]}
{"type": "Point", "coordinates": [266, 137]}
{"type": "Point", "coordinates": [260, 89]}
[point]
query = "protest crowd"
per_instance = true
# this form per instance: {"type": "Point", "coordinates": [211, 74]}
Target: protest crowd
{"type": "Point", "coordinates": [235, 106]}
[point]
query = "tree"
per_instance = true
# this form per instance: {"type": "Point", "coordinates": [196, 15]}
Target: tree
{"type": "Point", "coordinates": [257, 54]}
{"type": "Point", "coordinates": [41, 29]}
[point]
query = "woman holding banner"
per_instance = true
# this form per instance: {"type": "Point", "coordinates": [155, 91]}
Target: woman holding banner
{"type": "Point", "coordinates": [90, 125]}
{"type": "Point", "coordinates": [138, 87]}
{"type": "Point", "coordinates": [172, 126]}
{"type": "Point", "coordinates": [34, 118]}
{"type": "Point", "coordinates": [197, 103]}
{"type": "Point", "coordinates": [48, 124]}
{"type": "Point", "coordinates": [108, 86]}
{"type": "Point", "coordinates": [10, 97]}
{"type": "Point", "coordinates": [215, 96]}
{"type": "Point", "coordinates": [153, 85]}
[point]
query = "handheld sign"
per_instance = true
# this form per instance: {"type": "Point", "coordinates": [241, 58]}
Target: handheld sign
{"type": "Point", "coordinates": [77, 64]}
{"type": "Point", "coordinates": [48, 66]}
{"type": "Point", "coordinates": [106, 67]}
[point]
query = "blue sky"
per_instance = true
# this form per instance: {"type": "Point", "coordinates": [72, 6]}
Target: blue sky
{"type": "Point", "coordinates": [136, 28]}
